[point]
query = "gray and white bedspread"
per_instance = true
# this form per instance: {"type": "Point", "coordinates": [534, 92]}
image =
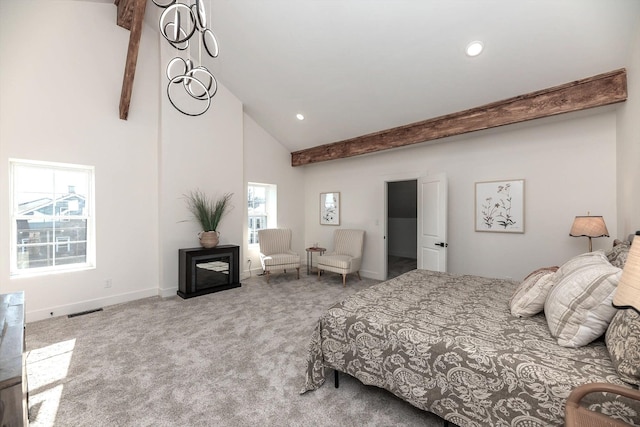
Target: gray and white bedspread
{"type": "Point", "coordinates": [449, 345]}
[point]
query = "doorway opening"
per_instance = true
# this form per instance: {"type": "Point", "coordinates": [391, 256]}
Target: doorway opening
{"type": "Point", "coordinates": [402, 227]}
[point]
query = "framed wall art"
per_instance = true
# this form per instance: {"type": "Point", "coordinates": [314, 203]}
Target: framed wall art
{"type": "Point", "coordinates": [330, 208]}
{"type": "Point", "coordinates": [499, 206]}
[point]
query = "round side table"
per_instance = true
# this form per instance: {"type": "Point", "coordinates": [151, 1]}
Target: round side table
{"type": "Point", "coordinates": [310, 252]}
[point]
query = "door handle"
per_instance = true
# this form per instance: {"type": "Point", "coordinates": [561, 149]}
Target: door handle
{"type": "Point", "coordinates": [442, 244]}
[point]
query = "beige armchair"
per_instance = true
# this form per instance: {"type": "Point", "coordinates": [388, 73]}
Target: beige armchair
{"type": "Point", "coordinates": [347, 255]}
{"type": "Point", "coordinates": [275, 251]}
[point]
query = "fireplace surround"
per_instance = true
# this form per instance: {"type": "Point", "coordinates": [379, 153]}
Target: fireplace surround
{"type": "Point", "coordinates": [203, 271]}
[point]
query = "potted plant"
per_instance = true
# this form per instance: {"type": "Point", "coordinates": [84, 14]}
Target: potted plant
{"type": "Point", "coordinates": [208, 213]}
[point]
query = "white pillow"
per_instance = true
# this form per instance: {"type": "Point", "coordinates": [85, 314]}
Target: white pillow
{"type": "Point", "coordinates": [529, 297]}
{"type": "Point", "coordinates": [578, 307]}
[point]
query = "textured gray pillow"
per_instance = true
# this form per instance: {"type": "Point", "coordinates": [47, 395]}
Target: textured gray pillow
{"type": "Point", "coordinates": [578, 307]}
{"type": "Point", "coordinates": [623, 342]}
{"type": "Point", "coordinates": [617, 255]}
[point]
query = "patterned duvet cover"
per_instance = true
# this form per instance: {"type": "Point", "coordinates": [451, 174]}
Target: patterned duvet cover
{"type": "Point", "coordinates": [448, 344]}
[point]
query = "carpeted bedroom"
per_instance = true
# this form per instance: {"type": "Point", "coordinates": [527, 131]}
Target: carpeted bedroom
{"type": "Point", "coordinates": [231, 358]}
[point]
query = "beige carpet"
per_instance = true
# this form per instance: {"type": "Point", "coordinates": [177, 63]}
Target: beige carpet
{"type": "Point", "coordinates": [232, 358]}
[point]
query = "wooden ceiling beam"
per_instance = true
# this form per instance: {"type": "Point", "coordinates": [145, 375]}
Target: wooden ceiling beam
{"type": "Point", "coordinates": [132, 54]}
{"type": "Point", "coordinates": [124, 18]}
{"type": "Point", "coordinates": [596, 91]}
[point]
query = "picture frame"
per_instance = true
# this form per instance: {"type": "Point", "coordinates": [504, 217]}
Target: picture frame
{"type": "Point", "coordinates": [330, 208]}
{"type": "Point", "coordinates": [499, 206]}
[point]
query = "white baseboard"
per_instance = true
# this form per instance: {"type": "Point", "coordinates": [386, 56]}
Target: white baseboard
{"type": "Point", "coordinates": [364, 273]}
{"type": "Point", "coordinates": [258, 271]}
{"type": "Point", "coordinates": [303, 270]}
{"type": "Point", "coordinates": [250, 273]}
{"type": "Point", "coordinates": [371, 274]}
{"type": "Point", "coordinates": [168, 292]}
{"type": "Point", "coordinates": [93, 304]}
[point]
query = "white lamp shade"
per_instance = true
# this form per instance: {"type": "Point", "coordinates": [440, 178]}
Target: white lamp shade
{"type": "Point", "coordinates": [628, 290]}
{"type": "Point", "coordinates": [589, 226]}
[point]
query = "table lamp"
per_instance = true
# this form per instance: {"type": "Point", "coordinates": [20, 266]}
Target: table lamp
{"type": "Point", "coordinates": [589, 226]}
{"type": "Point", "coordinates": [628, 291]}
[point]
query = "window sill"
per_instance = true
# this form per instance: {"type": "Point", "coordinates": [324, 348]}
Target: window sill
{"type": "Point", "coordinates": [28, 274]}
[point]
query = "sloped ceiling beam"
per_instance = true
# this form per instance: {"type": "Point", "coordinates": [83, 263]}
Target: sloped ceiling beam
{"type": "Point", "coordinates": [130, 15]}
{"type": "Point", "coordinates": [596, 91]}
{"type": "Point", "coordinates": [125, 13]}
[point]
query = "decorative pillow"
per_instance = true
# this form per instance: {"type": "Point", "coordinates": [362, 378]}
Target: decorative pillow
{"type": "Point", "coordinates": [623, 342]}
{"type": "Point", "coordinates": [528, 298]}
{"type": "Point", "coordinates": [617, 255]}
{"type": "Point", "coordinates": [578, 307]}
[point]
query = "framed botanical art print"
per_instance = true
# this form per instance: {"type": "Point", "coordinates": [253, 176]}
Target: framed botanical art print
{"type": "Point", "coordinates": [330, 208]}
{"type": "Point", "coordinates": [499, 206]}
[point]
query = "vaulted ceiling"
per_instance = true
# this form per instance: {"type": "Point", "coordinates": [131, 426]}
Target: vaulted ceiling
{"type": "Point", "coordinates": [355, 67]}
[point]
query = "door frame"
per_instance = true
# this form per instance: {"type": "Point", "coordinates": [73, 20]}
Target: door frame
{"type": "Point", "coordinates": [385, 179]}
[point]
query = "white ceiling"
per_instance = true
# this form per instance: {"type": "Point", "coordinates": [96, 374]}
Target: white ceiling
{"type": "Point", "coordinates": [354, 67]}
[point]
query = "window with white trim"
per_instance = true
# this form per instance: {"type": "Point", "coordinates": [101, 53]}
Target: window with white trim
{"type": "Point", "coordinates": [52, 217]}
{"type": "Point", "coordinates": [262, 208]}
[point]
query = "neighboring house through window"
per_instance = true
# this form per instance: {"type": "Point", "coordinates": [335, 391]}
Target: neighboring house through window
{"type": "Point", "coordinates": [262, 208]}
{"type": "Point", "coordinates": [52, 217]}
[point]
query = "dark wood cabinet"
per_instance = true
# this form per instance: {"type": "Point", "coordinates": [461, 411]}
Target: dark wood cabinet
{"type": "Point", "coordinates": [13, 372]}
{"type": "Point", "coordinates": [203, 271]}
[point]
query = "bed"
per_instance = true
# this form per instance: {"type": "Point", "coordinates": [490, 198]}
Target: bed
{"type": "Point", "coordinates": [448, 344]}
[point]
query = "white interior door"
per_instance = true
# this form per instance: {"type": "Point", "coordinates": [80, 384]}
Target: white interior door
{"type": "Point", "coordinates": [432, 222]}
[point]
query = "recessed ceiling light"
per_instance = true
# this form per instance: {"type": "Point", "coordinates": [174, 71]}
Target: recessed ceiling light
{"type": "Point", "coordinates": [299, 116]}
{"type": "Point", "coordinates": [474, 48]}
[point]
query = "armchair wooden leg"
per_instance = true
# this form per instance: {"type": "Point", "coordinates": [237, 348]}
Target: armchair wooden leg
{"type": "Point", "coordinates": [344, 280]}
{"type": "Point", "coordinates": [298, 268]}
{"type": "Point", "coordinates": [268, 276]}
{"type": "Point", "coordinates": [318, 273]}
{"type": "Point", "coordinates": [358, 273]}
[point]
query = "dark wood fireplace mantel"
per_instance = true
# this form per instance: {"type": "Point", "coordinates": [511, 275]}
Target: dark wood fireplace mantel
{"type": "Point", "coordinates": [203, 271]}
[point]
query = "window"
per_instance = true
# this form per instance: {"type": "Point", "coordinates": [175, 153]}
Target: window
{"type": "Point", "coordinates": [52, 219]}
{"type": "Point", "coordinates": [262, 208]}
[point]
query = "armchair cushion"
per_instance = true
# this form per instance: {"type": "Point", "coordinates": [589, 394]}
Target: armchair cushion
{"type": "Point", "coordinates": [276, 260]}
{"type": "Point", "coordinates": [275, 250]}
{"type": "Point", "coordinates": [337, 261]}
{"type": "Point", "coordinates": [347, 255]}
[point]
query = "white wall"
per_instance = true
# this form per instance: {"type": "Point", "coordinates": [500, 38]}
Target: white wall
{"type": "Point", "coordinates": [628, 166]}
{"type": "Point", "coordinates": [568, 163]}
{"type": "Point", "coordinates": [60, 103]}
{"type": "Point", "coordinates": [60, 83]}
{"type": "Point", "coordinates": [67, 111]}
{"type": "Point", "coordinates": [205, 153]}
{"type": "Point", "coordinates": [267, 161]}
